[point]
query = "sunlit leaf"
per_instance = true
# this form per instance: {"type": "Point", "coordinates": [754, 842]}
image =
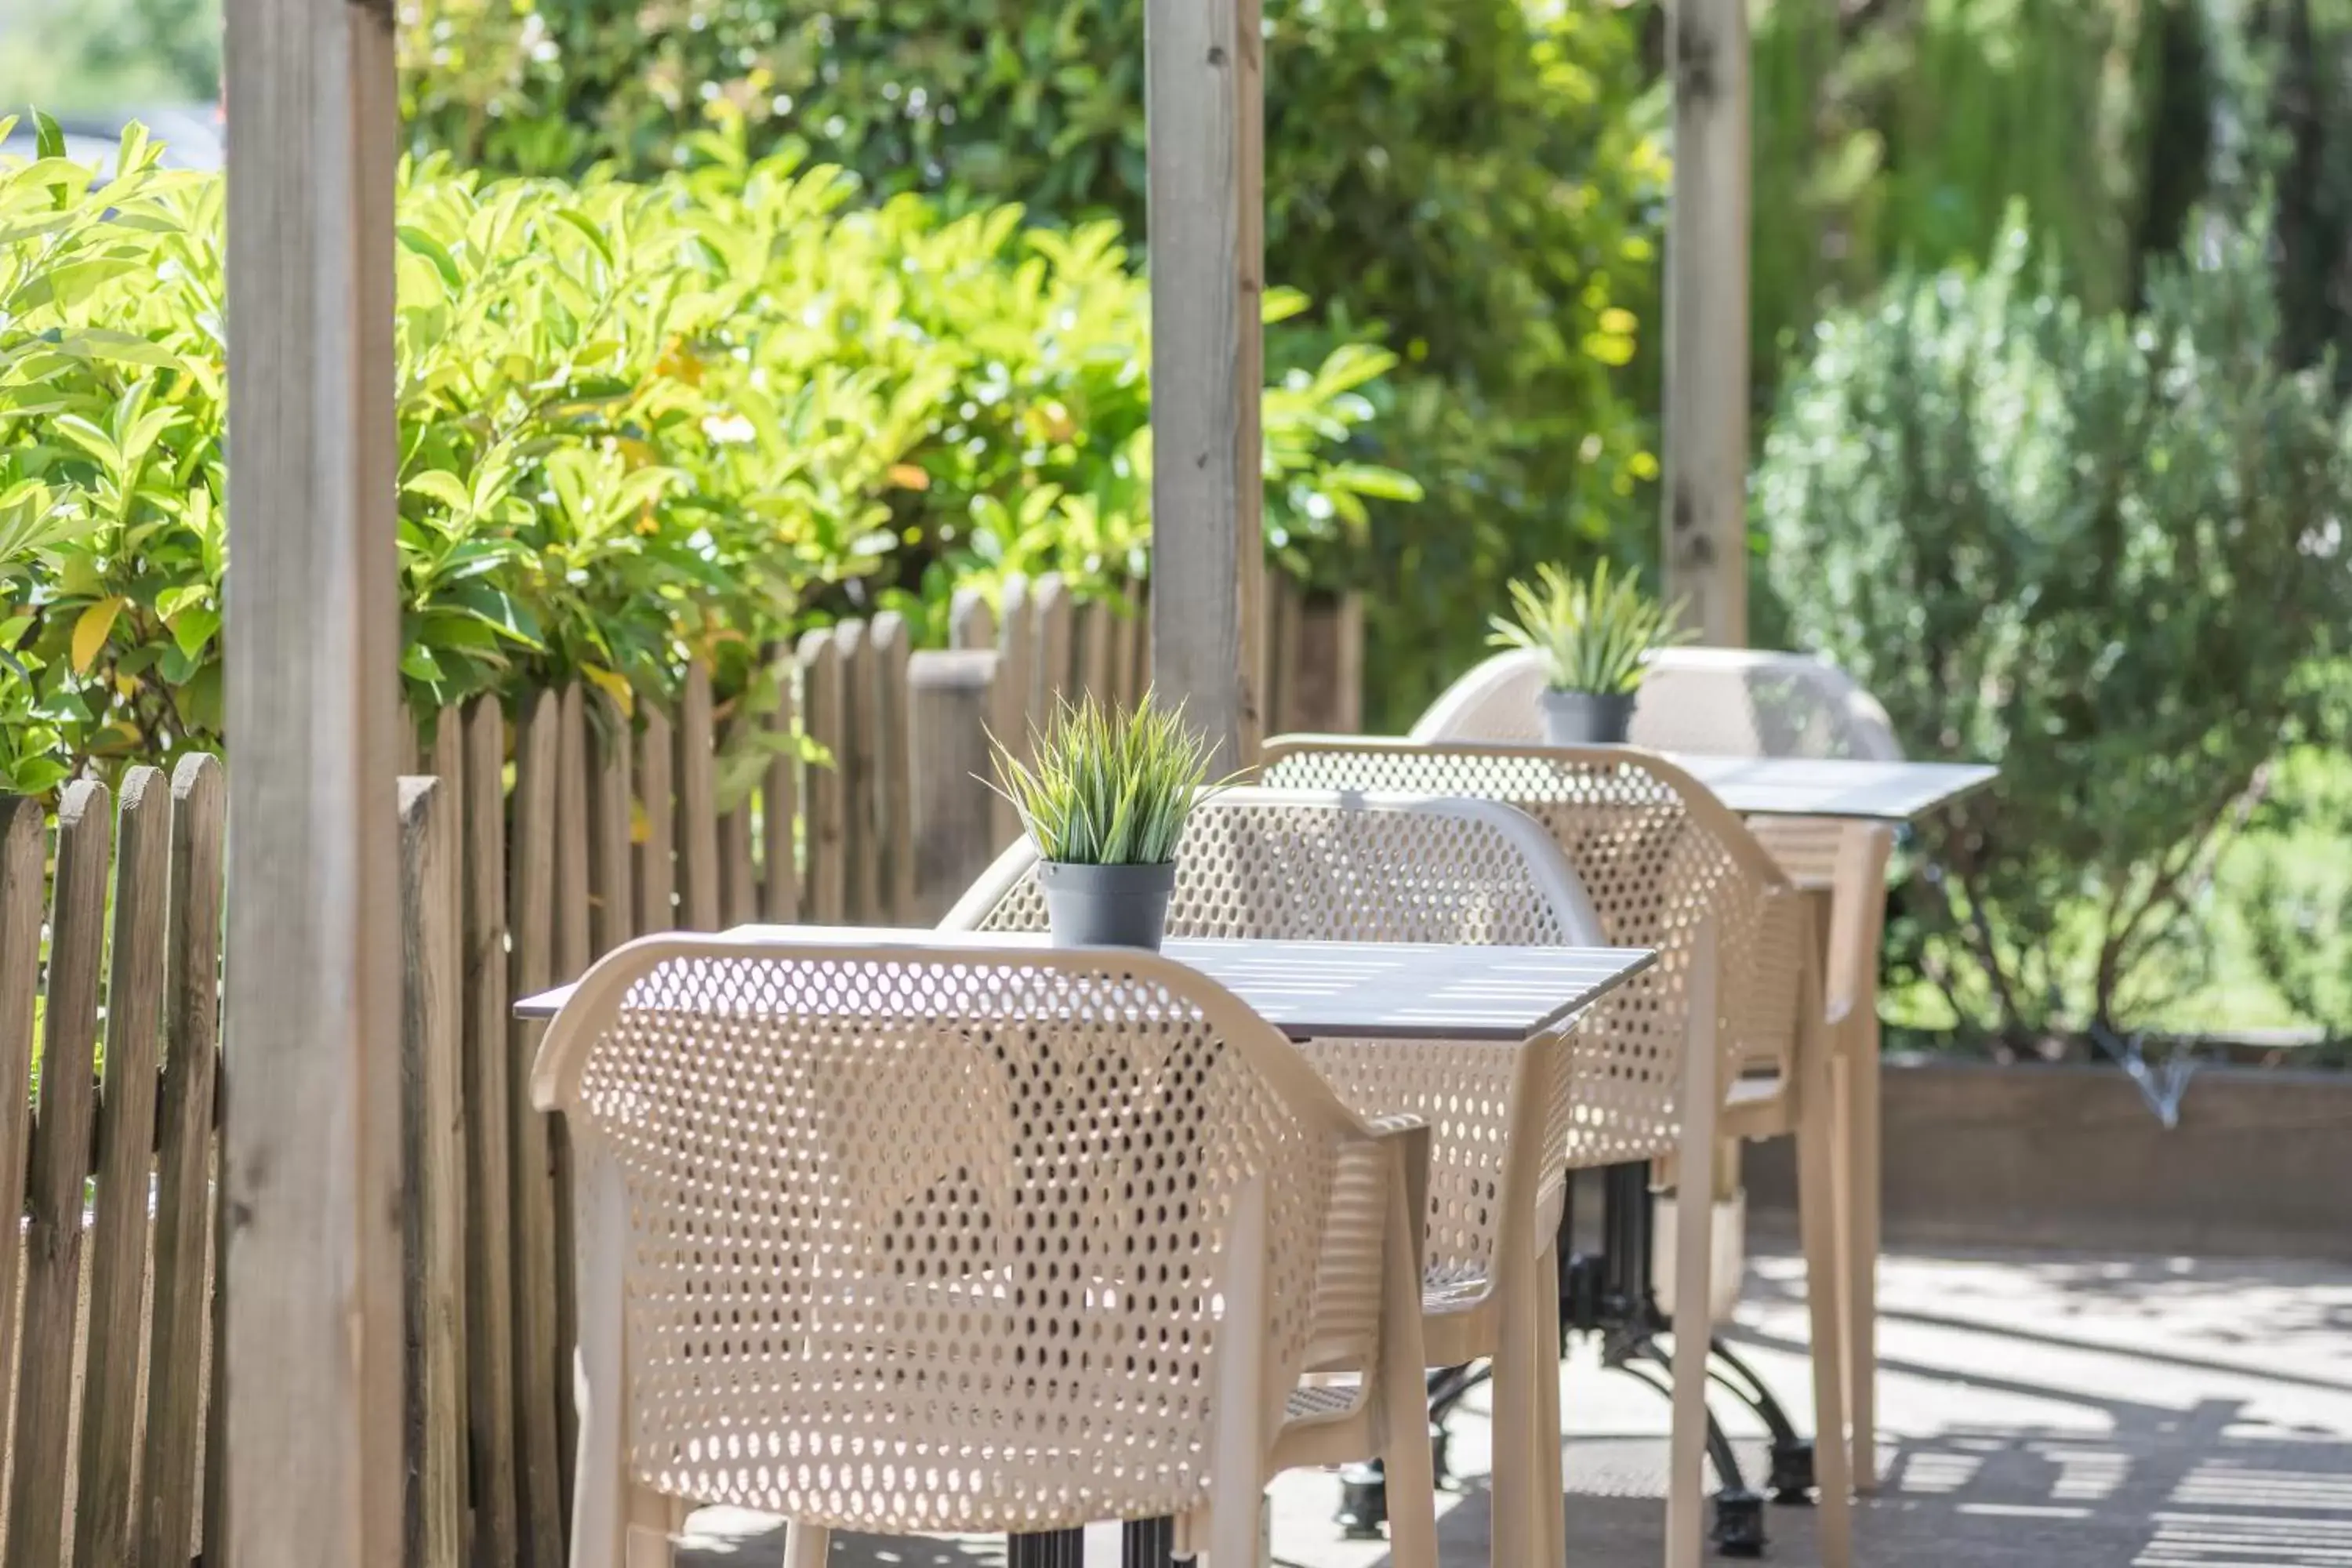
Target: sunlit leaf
{"type": "Point", "coordinates": [89, 631]}
{"type": "Point", "coordinates": [623, 694]}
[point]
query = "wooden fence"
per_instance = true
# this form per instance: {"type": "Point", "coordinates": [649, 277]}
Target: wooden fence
{"type": "Point", "coordinates": [611, 824]}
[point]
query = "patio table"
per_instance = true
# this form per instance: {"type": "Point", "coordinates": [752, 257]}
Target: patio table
{"type": "Point", "coordinates": [1308, 990]}
{"type": "Point", "coordinates": [1313, 990]}
{"type": "Point", "coordinates": [1808, 787]}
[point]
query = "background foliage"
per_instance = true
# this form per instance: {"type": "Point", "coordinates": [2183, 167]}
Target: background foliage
{"type": "Point", "coordinates": [637, 421]}
{"type": "Point", "coordinates": [1902, 133]}
{"type": "Point", "coordinates": [2107, 553]}
{"type": "Point", "coordinates": [101, 55]}
{"type": "Point", "coordinates": [1478, 186]}
{"type": "Point", "coordinates": [1470, 180]}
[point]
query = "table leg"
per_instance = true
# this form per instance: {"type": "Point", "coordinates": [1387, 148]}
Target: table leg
{"type": "Point", "coordinates": [1046, 1549]}
{"type": "Point", "coordinates": [1147, 1543]}
{"type": "Point", "coordinates": [1861, 1192]}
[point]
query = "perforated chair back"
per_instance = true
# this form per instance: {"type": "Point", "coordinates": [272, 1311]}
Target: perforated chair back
{"type": "Point", "coordinates": [1741, 703]}
{"type": "Point", "coordinates": [1738, 702]}
{"type": "Point", "coordinates": [1660, 856]}
{"type": "Point", "coordinates": [1746, 702]}
{"type": "Point", "coordinates": [1309, 866]}
{"type": "Point", "coordinates": [919, 1240]}
{"type": "Point", "coordinates": [1323, 866]}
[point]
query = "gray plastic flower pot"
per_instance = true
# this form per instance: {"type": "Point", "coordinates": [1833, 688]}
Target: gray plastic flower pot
{"type": "Point", "coordinates": [1586, 718]}
{"type": "Point", "coordinates": [1107, 905]}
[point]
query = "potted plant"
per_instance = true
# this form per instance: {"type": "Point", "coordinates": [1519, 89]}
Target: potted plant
{"type": "Point", "coordinates": [1106, 801]}
{"type": "Point", "coordinates": [1593, 637]}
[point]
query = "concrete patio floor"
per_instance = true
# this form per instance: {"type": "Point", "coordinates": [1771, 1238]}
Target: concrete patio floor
{"type": "Point", "coordinates": [2037, 1409]}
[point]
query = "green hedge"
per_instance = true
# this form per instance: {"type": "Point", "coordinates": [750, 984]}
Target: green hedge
{"type": "Point", "coordinates": [1471, 178]}
{"type": "Point", "coordinates": [636, 422]}
{"type": "Point", "coordinates": [1899, 135]}
{"type": "Point", "coordinates": [2107, 553]}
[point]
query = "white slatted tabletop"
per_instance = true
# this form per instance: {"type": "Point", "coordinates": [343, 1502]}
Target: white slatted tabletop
{"type": "Point", "coordinates": [1312, 990]}
{"type": "Point", "coordinates": [1802, 786]}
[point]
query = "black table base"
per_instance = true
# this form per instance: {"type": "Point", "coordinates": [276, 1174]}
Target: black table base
{"type": "Point", "coordinates": [1147, 1543]}
{"type": "Point", "coordinates": [1046, 1549]}
{"type": "Point", "coordinates": [1605, 1290]}
{"type": "Point", "coordinates": [1142, 1543]}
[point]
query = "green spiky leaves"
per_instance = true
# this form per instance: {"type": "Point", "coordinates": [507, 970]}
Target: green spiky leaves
{"type": "Point", "coordinates": [1107, 787]}
{"type": "Point", "coordinates": [1592, 634]}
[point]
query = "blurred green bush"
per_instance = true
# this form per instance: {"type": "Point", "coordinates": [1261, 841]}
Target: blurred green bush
{"type": "Point", "coordinates": [2107, 553]}
{"type": "Point", "coordinates": [2297, 902]}
{"type": "Point", "coordinates": [638, 422]}
{"type": "Point", "coordinates": [1900, 134]}
{"type": "Point", "coordinates": [1470, 180]}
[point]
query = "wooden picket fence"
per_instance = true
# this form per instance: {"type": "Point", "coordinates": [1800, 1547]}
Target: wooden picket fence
{"type": "Point", "coordinates": [106, 1381]}
{"type": "Point", "coordinates": [610, 826]}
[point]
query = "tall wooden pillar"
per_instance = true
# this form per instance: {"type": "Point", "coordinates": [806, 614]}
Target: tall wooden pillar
{"type": "Point", "coordinates": [311, 1047]}
{"type": "Point", "coordinates": [1206, 238]}
{"type": "Point", "coordinates": [1706, 490]}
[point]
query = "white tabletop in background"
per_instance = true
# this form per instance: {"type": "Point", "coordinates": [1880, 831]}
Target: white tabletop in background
{"type": "Point", "coordinates": [1801, 787]}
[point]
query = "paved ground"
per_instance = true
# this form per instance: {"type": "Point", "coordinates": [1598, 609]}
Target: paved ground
{"type": "Point", "coordinates": [2040, 1412]}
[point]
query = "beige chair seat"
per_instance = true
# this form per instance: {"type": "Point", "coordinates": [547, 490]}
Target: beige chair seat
{"type": "Point", "coordinates": [1757, 1108]}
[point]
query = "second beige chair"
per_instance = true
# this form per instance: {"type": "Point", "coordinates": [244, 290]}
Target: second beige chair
{"type": "Point", "coordinates": [1506, 1119]}
{"type": "Point", "coordinates": [1669, 867]}
{"type": "Point", "coordinates": [1748, 702]}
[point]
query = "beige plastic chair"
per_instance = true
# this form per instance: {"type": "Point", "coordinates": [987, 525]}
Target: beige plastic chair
{"type": "Point", "coordinates": [1728, 701]}
{"type": "Point", "coordinates": [1748, 703]}
{"type": "Point", "coordinates": [1507, 1119]}
{"type": "Point", "coordinates": [1745, 702]}
{"type": "Point", "coordinates": [913, 1240]}
{"type": "Point", "coordinates": [1669, 867]}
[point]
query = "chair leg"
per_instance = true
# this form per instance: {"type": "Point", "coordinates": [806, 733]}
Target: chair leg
{"type": "Point", "coordinates": [616, 1524]}
{"type": "Point", "coordinates": [1237, 1461]}
{"type": "Point", "coordinates": [1817, 1217]}
{"type": "Point", "coordinates": [806, 1545]}
{"type": "Point", "coordinates": [1404, 1411]}
{"type": "Point", "coordinates": [1859, 1186]}
{"type": "Point", "coordinates": [1236, 1531]}
{"type": "Point", "coordinates": [1698, 1104]}
{"type": "Point", "coordinates": [1551, 1486]}
{"type": "Point", "coordinates": [1693, 1329]}
{"type": "Point", "coordinates": [1515, 1537]}
{"type": "Point", "coordinates": [1411, 1483]}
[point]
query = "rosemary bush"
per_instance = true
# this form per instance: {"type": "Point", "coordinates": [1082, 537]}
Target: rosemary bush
{"type": "Point", "coordinates": [2107, 553]}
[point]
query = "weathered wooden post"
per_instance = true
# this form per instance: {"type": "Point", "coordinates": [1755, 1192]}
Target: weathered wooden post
{"type": "Point", "coordinates": [1706, 492]}
{"type": "Point", "coordinates": [1206, 224]}
{"type": "Point", "coordinates": [311, 1136]}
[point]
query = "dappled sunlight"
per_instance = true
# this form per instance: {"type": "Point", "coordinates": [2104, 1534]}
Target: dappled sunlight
{"type": "Point", "coordinates": [2119, 1435]}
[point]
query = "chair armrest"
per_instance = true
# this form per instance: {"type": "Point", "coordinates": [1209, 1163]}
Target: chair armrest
{"type": "Point", "coordinates": [1410, 1137]}
{"type": "Point", "coordinates": [1360, 1243]}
